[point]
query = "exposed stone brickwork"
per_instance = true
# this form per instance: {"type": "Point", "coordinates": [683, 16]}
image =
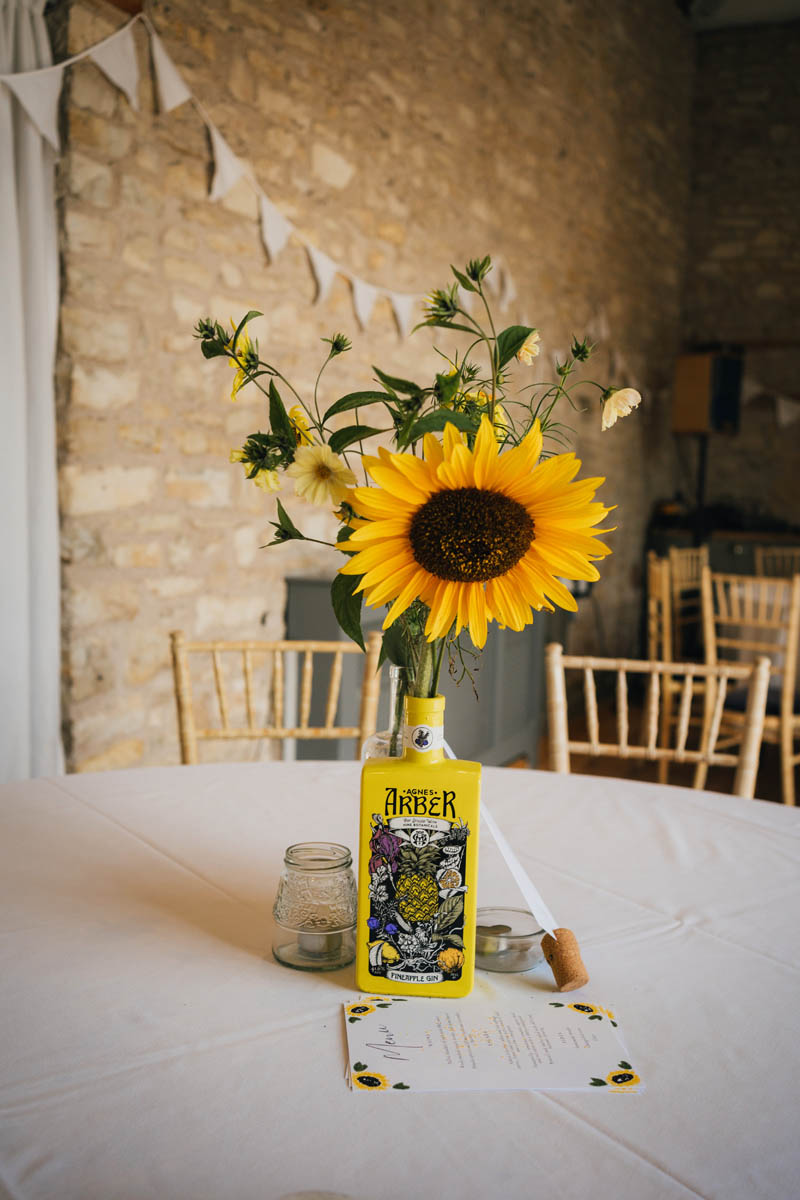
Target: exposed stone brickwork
{"type": "Point", "coordinates": [399, 137]}
{"type": "Point", "coordinates": [743, 281]}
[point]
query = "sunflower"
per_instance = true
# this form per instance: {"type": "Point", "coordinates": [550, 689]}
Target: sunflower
{"type": "Point", "coordinates": [359, 1010]}
{"type": "Point", "coordinates": [476, 535]}
{"type": "Point", "coordinates": [320, 476]}
{"type": "Point", "coordinates": [370, 1080]}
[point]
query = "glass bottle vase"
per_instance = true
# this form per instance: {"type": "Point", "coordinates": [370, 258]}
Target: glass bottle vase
{"type": "Point", "coordinates": [388, 743]}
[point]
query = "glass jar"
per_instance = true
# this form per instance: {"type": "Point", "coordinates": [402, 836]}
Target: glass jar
{"type": "Point", "coordinates": [388, 743]}
{"type": "Point", "coordinates": [316, 905]}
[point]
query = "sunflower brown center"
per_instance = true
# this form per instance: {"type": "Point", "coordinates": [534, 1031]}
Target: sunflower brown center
{"type": "Point", "coordinates": [470, 535]}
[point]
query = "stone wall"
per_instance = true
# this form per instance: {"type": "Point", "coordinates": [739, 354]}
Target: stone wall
{"type": "Point", "coordinates": [744, 274]}
{"type": "Point", "coordinates": [398, 137]}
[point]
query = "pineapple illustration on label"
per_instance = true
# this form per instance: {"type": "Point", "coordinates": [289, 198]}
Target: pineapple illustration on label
{"type": "Point", "coordinates": [418, 860]}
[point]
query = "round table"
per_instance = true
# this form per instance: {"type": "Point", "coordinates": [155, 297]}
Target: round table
{"type": "Point", "coordinates": [151, 1048]}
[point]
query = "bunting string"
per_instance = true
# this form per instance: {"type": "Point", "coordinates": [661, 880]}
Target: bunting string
{"type": "Point", "coordinates": [38, 93]}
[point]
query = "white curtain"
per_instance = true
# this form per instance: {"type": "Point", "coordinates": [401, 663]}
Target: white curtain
{"type": "Point", "coordinates": [30, 741]}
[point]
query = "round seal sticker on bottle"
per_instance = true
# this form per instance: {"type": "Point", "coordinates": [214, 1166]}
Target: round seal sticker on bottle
{"type": "Point", "coordinates": [424, 737]}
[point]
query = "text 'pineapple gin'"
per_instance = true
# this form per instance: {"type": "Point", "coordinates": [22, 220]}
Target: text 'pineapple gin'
{"type": "Point", "coordinates": [418, 861]}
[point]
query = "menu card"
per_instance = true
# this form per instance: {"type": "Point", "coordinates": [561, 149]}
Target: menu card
{"type": "Point", "coordinates": [520, 1044]}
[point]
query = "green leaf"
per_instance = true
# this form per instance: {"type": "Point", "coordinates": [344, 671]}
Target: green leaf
{"type": "Point", "coordinates": [278, 416]}
{"type": "Point", "coordinates": [626, 1066]}
{"type": "Point", "coordinates": [247, 317]}
{"type": "Point", "coordinates": [455, 940]}
{"type": "Point", "coordinates": [351, 433]}
{"type": "Point", "coordinates": [614, 1023]}
{"type": "Point", "coordinates": [286, 522]}
{"type": "Point", "coordinates": [347, 606]}
{"type": "Point", "coordinates": [466, 284]}
{"type": "Point", "coordinates": [359, 1066]}
{"type": "Point", "coordinates": [555, 1004]}
{"type": "Point", "coordinates": [383, 1006]}
{"type": "Point", "coordinates": [404, 386]}
{"type": "Point", "coordinates": [355, 400]}
{"type": "Point", "coordinates": [435, 323]}
{"type": "Point", "coordinates": [598, 1083]}
{"type": "Point", "coordinates": [509, 341]}
{"type": "Point", "coordinates": [213, 350]}
{"type": "Point", "coordinates": [434, 422]}
{"type": "Point", "coordinates": [352, 1020]}
{"type": "Point", "coordinates": [401, 1087]}
{"type": "Point", "coordinates": [450, 912]}
{"type": "Point", "coordinates": [595, 1017]}
{"type": "Point", "coordinates": [446, 387]}
{"type": "Point", "coordinates": [394, 646]}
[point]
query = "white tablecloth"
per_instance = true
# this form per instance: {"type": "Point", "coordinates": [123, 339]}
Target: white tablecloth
{"type": "Point", "coordinates": [151, 1049]}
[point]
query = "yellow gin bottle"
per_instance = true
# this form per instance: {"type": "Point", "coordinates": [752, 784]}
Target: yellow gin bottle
{"type": "Point", "coordinates": [418, 862]}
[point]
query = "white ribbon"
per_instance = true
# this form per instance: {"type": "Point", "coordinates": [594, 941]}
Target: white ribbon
{"type": "Point", "coordinates": [325, 270]}
{"type": "Point", "coordinates": [38, 92]}
{"type": "Point", "coordinates": [172, 91]}
{"type": "Point", "coordinates": [364, 297]}
{"type": "Point", "coordinates": [228, 169]}
{"type": "Point", "coordinates": [116, 58]}
{"type": "Point", "coordinates": [275, 229]}
{"type": "Point", "coordinates": [530, 892]}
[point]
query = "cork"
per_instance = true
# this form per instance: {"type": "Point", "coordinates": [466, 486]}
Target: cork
{"type": "Point", "coordinates": [564, 956]}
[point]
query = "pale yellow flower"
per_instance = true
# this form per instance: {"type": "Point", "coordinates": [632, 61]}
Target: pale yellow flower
{"type": "Point", "coordinates": [236, 456]}
{"type": "Point", "coordinates": [268, 481]}
{"type": "Point", "coordinates": [529, 349]}
{"type": "Point", "coordinates": [320, 476]}
{"type": "Point", "coordinates": [619, 404]}
{"type": "Point", "coordinates": [301, 426]}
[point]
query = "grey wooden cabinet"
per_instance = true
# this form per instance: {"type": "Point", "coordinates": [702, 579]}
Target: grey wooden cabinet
{"type": "Point", "coordinates": [503, 723]}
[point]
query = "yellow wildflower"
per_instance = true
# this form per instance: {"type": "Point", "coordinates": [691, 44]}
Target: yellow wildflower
{"type": "Point", "coordinates": [301, 426]}
{"type": "Point", "coordinates": [529, 349]}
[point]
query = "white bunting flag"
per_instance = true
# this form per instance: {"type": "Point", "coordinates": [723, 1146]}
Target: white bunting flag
{"type": "Point", "coordinates": [38, 92]}
{"type": "Point", "coordinates": [364, 297]}
{"type": "Point", "coordinates": [228, 169]}
{"type": "Point", "coordinates": [116, 58]}
{"type": "Point", "coordinates": [275, 229]}
{"type": "Point", "coordinates": [172, 91]}
{"type": "Point", "coordinates": [750, 389]}
{"type": "Point", "coordinates": [786, 411]}
{"type": "Point", "coordinates": [403, 306]}
{"type": "Point", "coordinates": [508, 293]}
{"type": "Point", "coordinates": [324, 269]}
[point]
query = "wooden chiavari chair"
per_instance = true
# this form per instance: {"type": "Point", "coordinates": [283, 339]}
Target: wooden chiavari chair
{"type": "Point", "coordinates": [777, 561]}
{"type": "Point", "coordinates": [253, 661]}
{"type": "Point", "coordinates": [745, 616]}
{"type": "Point", "coordinates": [717, 678]}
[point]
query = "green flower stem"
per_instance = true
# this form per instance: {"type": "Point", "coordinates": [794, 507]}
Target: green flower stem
{"type": "Point", "coordinates": [492, 353]}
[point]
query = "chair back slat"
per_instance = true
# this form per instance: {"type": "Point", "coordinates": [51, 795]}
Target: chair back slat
{"type": "Point", "coordinates": [622, 713]}
{"type": "Point", "coordinates": [277, 688]}
{"type": "Point", "coordinates": [237, 703]}
{"type": "Point", "coordinates": [713, 678]}
{"type": "Point", "coordinates": [247, 669]}
{"type": "Point", "coordinates": [651, 712]}
{"type": "Point", "coordinates": [305, 688]}
{"type": "Point", "coordinates": [333, 690]}
{"type": "Point", "coordinates": [590, 700]}
{"type": "Point", "coordinates": [219, 685]}
{"type": "Point", "coordinates": [684, 713]}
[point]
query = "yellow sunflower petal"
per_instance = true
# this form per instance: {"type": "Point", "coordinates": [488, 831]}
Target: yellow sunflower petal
{"type": "Point", "coordinates": [476, 602]}
{"type": "Point", "coordinates": [484, 456]}
{"type": "Point", "coordinates": [451, 438]}
{"type": "Point", "coordinates": [432, 449]}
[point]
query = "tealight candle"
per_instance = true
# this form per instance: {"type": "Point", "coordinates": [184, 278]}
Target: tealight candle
{"type": "Point", "coordinates": [316, 905]}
